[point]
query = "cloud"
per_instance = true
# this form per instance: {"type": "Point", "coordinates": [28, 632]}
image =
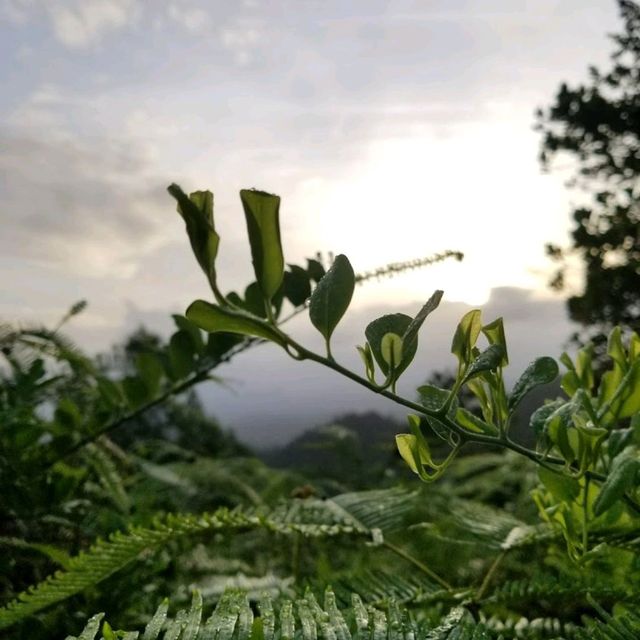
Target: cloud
{"type": "Point", "coordinates": [241, 40]}
{"type": "Point", "coordinates": [193, 19]}
{"type": "Point", "coordinates": [84, 206]}
{"type": "Point", "coordinates": [83, 23]}
{"type": "Point", "coordinates": [77, 24]}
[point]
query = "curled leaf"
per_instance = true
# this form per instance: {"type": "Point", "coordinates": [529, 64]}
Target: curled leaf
{"type": "Point", "coordinates": [262, 214]}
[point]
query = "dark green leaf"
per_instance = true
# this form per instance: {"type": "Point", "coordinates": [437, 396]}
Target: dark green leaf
{"type": "Point", "coordinates": [196, 335]}
{"type": "Point", "coordinates": [431, 305]}
{"type": "Point", "coordinates": [135, 391]}
{"type": "Point", "coordinates": [315, 270]}
{"type": "Point", "coordinates": [540, 416]}
{"type": "Point", "coordinates": [432, 397]}
{"type": "Point", "coordinates": [181, 355]}
{"type": "Point", "coordinates": [68, 414]}
{"type": "Point", "coordinates": [150, 370]}
{"type": "Point", "coordinates": [393, 323]}
{"type": "Point", "coordinates": [297, 287]}
{"type": "Point", "coordinates": [220, 344]}
{"type": "Point", "coordinates": [488, 360]}
{"type": "Point", "coordinates": [109, 391]}
{"type": "Point", "coordinates": [541, 371]}
{"type": "Point", "coordinates": [197, 213]}
{"type": "Point", "coordinates": [331, 298]}
{"type": "Point", "coordinates": [621, 478]}
{"type": "Point", "coordinates": [262, 212]}
{"type": "Point", "coordinates": [212, 318]}
{"type": "Point", "coordinates": [254, 301]}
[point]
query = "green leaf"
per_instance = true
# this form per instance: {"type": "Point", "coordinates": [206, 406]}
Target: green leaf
{"type": "Point", "coordinates": [471, 422]}
{"type": "Point", "coordinates": [615, 348]}
{"type": "Point", "coordinates": [494, 331]}
{"type": "Point", "coordinates": [488, 360]}
{"type": "Point", "coordinates": [410, 450]}
{"type": "Point", "coordinates": [185, 325]}
{"type": "Point", "coordinates": [541, 371]}
{"type": "Point", "coordinates": [212, 318]}
{"type": "Point", "coordinates": [150, 370]}
{"type": "Point", "coordinates": [262, 211]}
{"type": "Point", "coordinates": [135, 391]}
{"type": "Point", "coordinates": [367, 358]}
{"type": "Point", "coordinates": [315, 270]}
{"type": "Point", "coordinates": [391, 350]}
{"type": "Point", "coordinates": [253, 300]}
{"type": "Point", "coordinates": [331, 298]}
{"type": "Point", "coordinates": [430, 305]}
{"type": "Point", "coordinates": [431, 397]}
{"type": "Point", "coordinates": [631, 403]}
{"type": "Point", "coordinates": [624, 471]}
{"type": "Point", "coordinates": [297, 287]}
{"type": "Point", "coordinates": [154, 626]}
{"type": "Point", "coordinates": [540, 416]}
{"type": "Point", "coordinates": [68, 415]}
{"type": "Point", "coordinates": [561, 487]}
{"type": "Point", "coordinates": [197, 213]}
{"type": "Point", "coordinates": [395, 324]}
{"type": "Point", "coordinates": [466, 336]}
{"type": "Point", "coordinates": [181, 355]}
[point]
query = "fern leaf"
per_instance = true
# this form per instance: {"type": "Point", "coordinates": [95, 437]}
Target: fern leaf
{"type": "Point", "coordinates": [302, 619]}
{"type": "Point", "coordinates": [539, 588]}
{"type": "Point", "coordinates": [107, 557]}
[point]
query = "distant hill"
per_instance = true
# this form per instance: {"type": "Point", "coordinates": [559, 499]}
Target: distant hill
{"type": "Point", "coordinates": [354, 448]}
{"type": "Point", "coordinates": [358, 449]}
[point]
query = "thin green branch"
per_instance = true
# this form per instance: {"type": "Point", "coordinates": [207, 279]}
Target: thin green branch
{"type": "Point", "coordinates": [418, 564]}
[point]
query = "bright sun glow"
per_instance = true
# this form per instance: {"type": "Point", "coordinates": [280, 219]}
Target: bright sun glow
{"type": "Point", "coordinates": [474, 189]}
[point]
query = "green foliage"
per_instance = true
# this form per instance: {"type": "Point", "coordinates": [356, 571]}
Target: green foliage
{"type": "Point", "coordinates": [588, 476]}
{"type": "Point", "coordinates": [531, 542]}
{"type": "Point", "coordinates": [105, 558]}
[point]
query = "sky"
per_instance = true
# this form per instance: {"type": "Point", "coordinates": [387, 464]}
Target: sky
{"type": "Point", "coordinates": [392, 130]}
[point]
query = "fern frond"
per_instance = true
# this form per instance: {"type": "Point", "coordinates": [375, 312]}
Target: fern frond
{"type": "Point", "coordinates": [531, 629]}
{"type": "Point", "coordinates": [106, 557]}
{"type": "Point", "coordinates": [626, 627]}
{"type": "Point", "coordinates": [538, 588]}
{"type": "Point", "coordinates": [384, 509]}
{"type": "Point", "coordinates": [303, 619]}
{"type": "Point", "coordinates": [379, 587]}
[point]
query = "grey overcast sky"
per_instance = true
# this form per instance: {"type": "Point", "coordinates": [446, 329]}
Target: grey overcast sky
{"type": "Point", "coordinates": [392, 130]}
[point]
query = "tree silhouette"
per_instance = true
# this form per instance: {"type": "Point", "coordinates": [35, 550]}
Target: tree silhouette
{"type": "Point", "coordinates": [596, 126]}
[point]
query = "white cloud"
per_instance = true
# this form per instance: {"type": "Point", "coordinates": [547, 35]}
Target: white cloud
{"type": "Point", "coordinates": [83, 23]}
{"type": "Point", "coordinates": [242, 41]}
{"type": "Point", "coordinates": [193, 19]}
{"type": "Point", "coordinates": [15, 11]}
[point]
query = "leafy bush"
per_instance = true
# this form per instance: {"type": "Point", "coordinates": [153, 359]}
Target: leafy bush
{"type": "Point", "coordinates": [472, 556]}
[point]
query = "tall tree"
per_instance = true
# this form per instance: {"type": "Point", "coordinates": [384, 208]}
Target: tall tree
{"type": "Point", "coordinates": [596, 125]}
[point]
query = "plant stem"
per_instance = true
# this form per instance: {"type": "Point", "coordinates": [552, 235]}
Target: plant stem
{"type": "Point", "coordinates": [487, 579]}
{"type": "Point", "coordinates": [419, 565]}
